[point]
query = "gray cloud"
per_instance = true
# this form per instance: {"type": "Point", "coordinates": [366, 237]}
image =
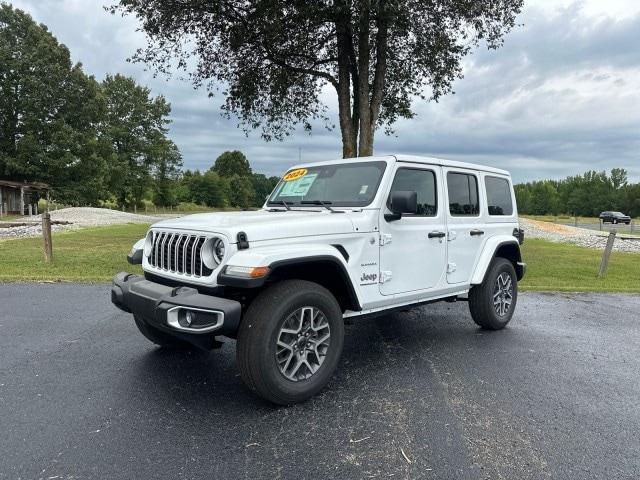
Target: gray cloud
{"type": "Point", "coordinates": [560, 97]}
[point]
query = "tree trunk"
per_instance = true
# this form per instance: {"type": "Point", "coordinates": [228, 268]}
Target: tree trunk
{"type": "Point", "coordinates": [380, 69]}
{"type": "Point", "coordinates": [359, 103]}
{"type": "Point", "coordinates": [365, 144]}
{"type": "Point", "coordinates": [348, 129]}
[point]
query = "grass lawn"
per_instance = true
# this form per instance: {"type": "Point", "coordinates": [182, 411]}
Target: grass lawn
{"type": "Point", "coordinates": [89, 255]}
{"type": "Point", "coordinates": [11, 218]}
{"type": "Point", "coordinates": [96, 254]}
{"type": "Point", "coordinates": [569, 268]}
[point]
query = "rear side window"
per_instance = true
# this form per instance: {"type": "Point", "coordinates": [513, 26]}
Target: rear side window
{"type": "Point", "coordinates": [423, 182]}
{"type": "Point", "coordinates": [463, 194]}
{"type": "Point", "coordinates": [498, 196]}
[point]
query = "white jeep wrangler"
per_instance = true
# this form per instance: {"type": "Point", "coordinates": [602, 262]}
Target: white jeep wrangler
{"type": "Point", "coordinates": [335, 240]}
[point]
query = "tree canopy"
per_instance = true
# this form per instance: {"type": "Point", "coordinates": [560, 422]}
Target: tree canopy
{"type": "Point", "coordinates": [584, 195]}
{"type": "Point", "coordinates": [232, 163]}
{"type": "Point", "coordinates": [91, 141]}
{"type": "Point", "coordinates": [49, 109]}
{"type": "Point", "coordinates": [273, 58]}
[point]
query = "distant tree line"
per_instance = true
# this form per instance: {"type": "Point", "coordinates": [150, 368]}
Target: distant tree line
{"type": "Point", "coordinates": [583, 195]}
{"type": "Point", "coordinates": [230, 182]}
{"type": "Point", "coordinates": [98, 143]}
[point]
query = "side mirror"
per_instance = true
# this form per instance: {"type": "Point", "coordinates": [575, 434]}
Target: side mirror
{"type": "Point", "coordinates": [402, 202]}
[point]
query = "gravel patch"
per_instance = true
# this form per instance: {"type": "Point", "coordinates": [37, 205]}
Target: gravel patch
{"type": "Point", "coordinates": [578, 236]}
{"type": "Point", "coordinates": [92, 217]}
{"type": "Point", "coordinates": [78, 217]}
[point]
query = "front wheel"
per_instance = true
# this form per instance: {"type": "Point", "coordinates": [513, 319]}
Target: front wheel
{"type": "Point", "coordinates": [290, 341]}
{"type": "Point", "coordinates": [493, 302]}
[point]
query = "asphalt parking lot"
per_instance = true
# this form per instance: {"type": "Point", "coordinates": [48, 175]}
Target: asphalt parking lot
{"type": "Point", "coordinates": [423, 394]}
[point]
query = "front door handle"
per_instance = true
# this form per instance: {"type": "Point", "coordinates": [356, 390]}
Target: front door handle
{"type": "Point", "coordinates": [476, 232]}
{"type": "Point", "coordinates": [437, 234]}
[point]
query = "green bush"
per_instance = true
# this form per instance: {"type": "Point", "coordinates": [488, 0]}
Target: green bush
{"type": "Point", "coordinates": [190, 207]}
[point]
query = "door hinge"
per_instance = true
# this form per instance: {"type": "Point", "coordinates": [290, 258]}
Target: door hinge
{"type": "Point", "coordinates": [451, 267]}
{"type": "Point", "coordinates": [385, 239]}
{"type": "Point", "coordinates": [385, 276]}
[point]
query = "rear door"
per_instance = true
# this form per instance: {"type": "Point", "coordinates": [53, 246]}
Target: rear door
{"type": "Point", "coordinates": [465, 235]}
{"type": "Point", "coordinates": [410, 258]}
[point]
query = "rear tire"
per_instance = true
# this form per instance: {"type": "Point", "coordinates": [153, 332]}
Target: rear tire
{"type": "Point", "coordinates": [158, 337]}
{"type": "Point", "coordinates": [290, 341]}
{"type": "Point", "coordinates": [493, 302]}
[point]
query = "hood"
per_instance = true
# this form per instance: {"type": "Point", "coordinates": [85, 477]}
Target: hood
{"type": "Point", "coordinates": [263, 224]}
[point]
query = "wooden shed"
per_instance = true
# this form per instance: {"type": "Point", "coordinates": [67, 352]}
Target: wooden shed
{"type": "Point", "coordinates": [20, 198]}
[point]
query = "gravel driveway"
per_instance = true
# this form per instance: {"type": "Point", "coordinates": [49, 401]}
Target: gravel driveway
{"type": "Point", "coordinates": [579, 236]}
{"type": "Point", "coordinates": [418, 395]}
{"type": "Point", "coordinates": [79, 217]}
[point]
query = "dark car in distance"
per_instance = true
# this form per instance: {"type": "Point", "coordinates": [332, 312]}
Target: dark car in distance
{"type": "Point", "coordinates": [615, 217]}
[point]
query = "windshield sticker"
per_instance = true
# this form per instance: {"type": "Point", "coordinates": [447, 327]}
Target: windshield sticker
{"type": "Point", "coordinates": [363, 189]}
{"type": "Point", "coordinates": [295, 174]}
{"type": "Point", "coordinates": [299, 187]}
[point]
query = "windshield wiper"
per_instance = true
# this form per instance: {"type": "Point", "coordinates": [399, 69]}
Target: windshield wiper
{"type": "Point", "coordinates": [323, 203]}
{"type": "Point", "coordinates": [282, 202]}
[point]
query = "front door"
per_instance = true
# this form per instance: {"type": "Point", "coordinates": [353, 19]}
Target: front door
{"type": "Point", "coordinates": [465, 234]}
{"type": "Point", "coordinates": [413, 249]}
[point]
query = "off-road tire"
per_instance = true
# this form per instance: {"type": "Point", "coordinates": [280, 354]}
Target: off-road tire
{"type": "Point", "coordinates": [259, 332]}
{"type": "Point", "coordinates": [160, 338]}
{"type": "Point", "coordinates": [481, 297]}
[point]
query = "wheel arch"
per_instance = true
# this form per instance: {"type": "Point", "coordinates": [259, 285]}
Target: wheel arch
{"type": "Point", "coordinates": [503, 247]}
{"type": "Point", "coordinates": [324, 270]}
{"type": "Point", "coordinates": [324, 265]}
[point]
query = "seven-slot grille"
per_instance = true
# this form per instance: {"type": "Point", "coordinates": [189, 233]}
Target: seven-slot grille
{"type": "Point", "coordinates": [179, 253]}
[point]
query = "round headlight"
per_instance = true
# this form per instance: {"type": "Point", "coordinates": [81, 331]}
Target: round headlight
{"type": "Point", "coordinates": [148, 244]}
{"type": "Point", "coordinates": [212, 252]}
{"type": "Point", "coordinates": [218, 250]}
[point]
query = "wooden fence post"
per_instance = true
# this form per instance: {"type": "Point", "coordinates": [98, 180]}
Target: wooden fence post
{"type": "Point", "coordinates": [46, 235]}
{"type": "Point", "coordinates": [604, 264]}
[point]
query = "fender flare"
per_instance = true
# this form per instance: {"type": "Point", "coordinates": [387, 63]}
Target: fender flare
{"type": "Point", "coordinates": [277, 260]}
{"type": "Point", "coordinates": [489, 253]}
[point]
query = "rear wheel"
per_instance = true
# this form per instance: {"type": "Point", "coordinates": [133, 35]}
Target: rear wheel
{"type": "Point", "coordinates": [290, 341]}
{"type": "Point", "coordinates": [158, 337]}
{"type": "Point", "coordinates": [493, 302]}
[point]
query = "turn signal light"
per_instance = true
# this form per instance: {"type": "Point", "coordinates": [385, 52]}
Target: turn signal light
{"type": "Point", "coordinates": [247, 272]}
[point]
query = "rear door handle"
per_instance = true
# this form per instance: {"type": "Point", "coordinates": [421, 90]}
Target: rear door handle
{"type": "Point", "coordinates": [476, 232]}
{"type": "Point", "coordinates": [437, 234]}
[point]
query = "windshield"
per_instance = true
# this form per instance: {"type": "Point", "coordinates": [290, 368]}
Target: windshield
{"type": "Point", "coordinates": [342, 185]}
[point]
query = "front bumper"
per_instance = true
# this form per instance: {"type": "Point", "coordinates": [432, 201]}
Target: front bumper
{"type": "Point", "coordinates": [160, 306]}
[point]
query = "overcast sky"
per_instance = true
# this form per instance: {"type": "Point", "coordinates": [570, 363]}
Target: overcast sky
{"type": "Point", "coordinates": [562, 96]}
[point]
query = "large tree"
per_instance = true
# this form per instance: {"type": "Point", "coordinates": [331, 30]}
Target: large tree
{"type": "Point", "coordinates": [166, 172]}
{"type": "Point", "coordinates": [134, 136]}
{"type": "Point", "coordinates": [274, 57]}
{"type": "Point", "coordinates": [50, 112]}
{"type": "Point", "coordinates": [232, 163]}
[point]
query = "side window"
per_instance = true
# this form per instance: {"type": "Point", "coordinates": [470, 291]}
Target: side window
{"type": "Point", "coordinates": [463, 194]}
{"type": "Point", "coordinates": [421, 181]}
{"type": "Point", "coordinates": [498, 196]}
